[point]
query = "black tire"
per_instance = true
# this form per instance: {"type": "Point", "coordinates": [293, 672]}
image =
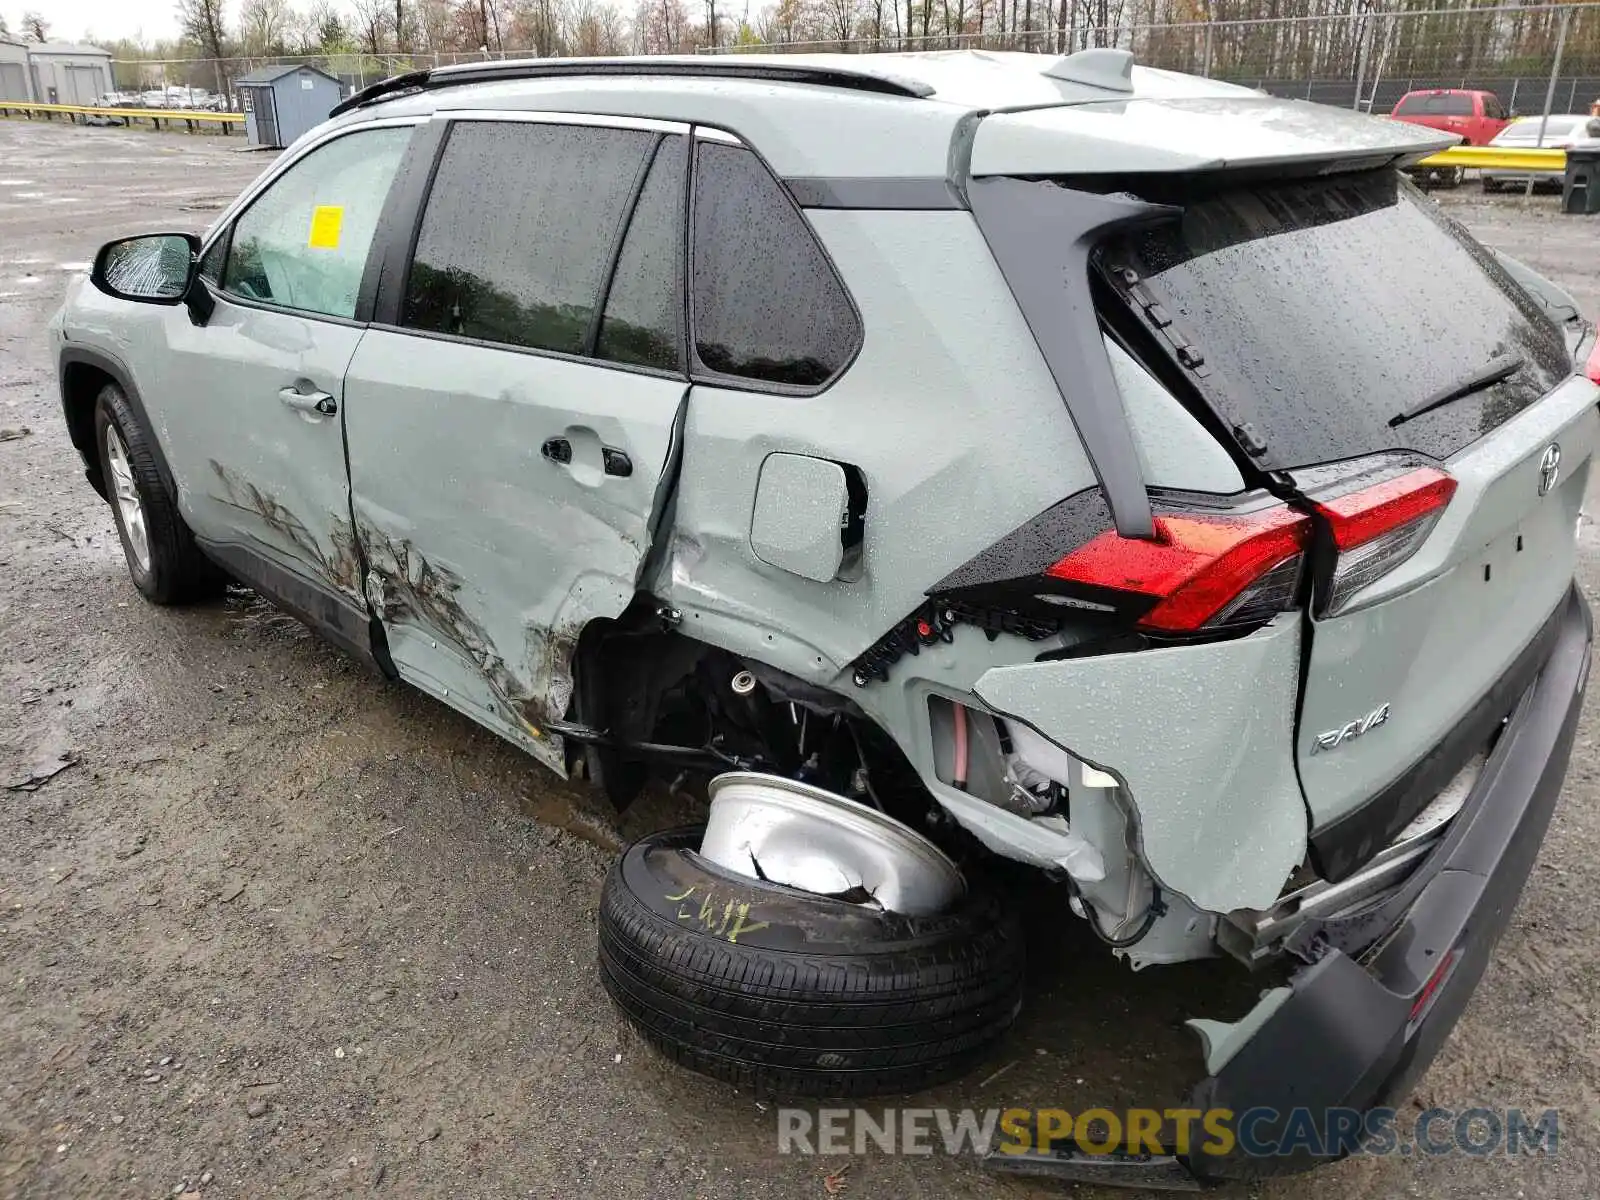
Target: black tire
{"type": "Point", "coordinates": [788, 994]}
{"type": "Point", "coordinates": [177, 572]}
{"type": "Point", "coordinates": [1455, 177]}
{"type": "Point", "coordinates": [1490, 186]}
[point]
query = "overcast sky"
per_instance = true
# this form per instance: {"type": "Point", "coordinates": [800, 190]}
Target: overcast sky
{"type": "Point", "coordinates": [73, 20]}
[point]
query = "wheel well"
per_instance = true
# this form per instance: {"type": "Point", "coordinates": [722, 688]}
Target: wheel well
{"type": "Point", "coordinates": [647, 686]}
{"type": "Point", "coordinates": [80, 389]}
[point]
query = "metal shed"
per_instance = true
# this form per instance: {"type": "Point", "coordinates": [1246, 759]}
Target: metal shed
{"type": "Point", "coordinates": [69, 73]}
{"type": "Point", "coordinates": [281, 103]}
{"type": "Point", "coordinates": [14, 71]}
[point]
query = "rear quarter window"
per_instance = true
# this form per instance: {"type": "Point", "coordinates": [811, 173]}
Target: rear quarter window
{"type": "Point", "coordinates": [768, 307]}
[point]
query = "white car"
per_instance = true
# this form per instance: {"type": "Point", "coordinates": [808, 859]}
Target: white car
{"type": "Point", "coordinates": [1559, 130]}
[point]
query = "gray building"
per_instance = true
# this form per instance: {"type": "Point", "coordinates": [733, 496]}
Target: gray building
{"type": "Point", "coordinates": [14, 71]}
{"type": "Point", "coordinates": [281, 103]}
{"type": "Point", "coordinates": [68, 73]}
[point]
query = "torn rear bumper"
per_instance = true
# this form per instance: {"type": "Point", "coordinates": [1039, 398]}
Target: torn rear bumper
{"type": "Point", "coordinates": [1346, 1037]}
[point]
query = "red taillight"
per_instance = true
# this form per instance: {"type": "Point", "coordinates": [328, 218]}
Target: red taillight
{"type": "Point", "coordinates": [1378, 527]}
{"type": "Point", "coordinates": [1357, 518]}
{"type": "Point", "coordinates": [1204, 568]}
{"type": "Point", "coordinates": [1430, 990]}
{"type": "Point", "coordinates": [1592, 369]}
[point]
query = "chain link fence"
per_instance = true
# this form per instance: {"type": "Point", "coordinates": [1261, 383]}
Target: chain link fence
{"type": "Point", "coordinates": [1365, 59]}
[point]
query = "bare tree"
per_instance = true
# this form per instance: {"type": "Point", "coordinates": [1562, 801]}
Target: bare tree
{"type": "Point", "coordinates": [538, 25]}
{"type": "Point", "coordinates": [35, 27]}
{"type": "Point", "coordinates": [322, 29]}
{"type": "Point", "coordinates": [264, 25]}
{"type": "Point", "coordinates": [875, 24]}
{"type": "Point", "coordinates": [372, 24]}
{"type": "Point", "coordinates": [437, 24]}
{"type": "Point", "coordinates": [593, 27]}
{"type": "Point", "coordinates": [661, 26]}
{"type": "Point", "coordinates": [839, 19]}
{"type": "Point", "coordinates": [202, 22]}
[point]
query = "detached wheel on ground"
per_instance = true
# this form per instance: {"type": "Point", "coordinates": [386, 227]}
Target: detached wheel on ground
{"type": "Point", "coordinates": [788, 992]}
{"type": "Point", "coordinates": [166, 566]}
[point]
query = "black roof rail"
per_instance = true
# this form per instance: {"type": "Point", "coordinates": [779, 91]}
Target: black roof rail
{"type": "Point", "coordinates": [714, 66]}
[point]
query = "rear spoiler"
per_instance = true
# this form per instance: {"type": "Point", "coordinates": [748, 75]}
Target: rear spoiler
{"type": "Point", "coordinates": [1185, 135]}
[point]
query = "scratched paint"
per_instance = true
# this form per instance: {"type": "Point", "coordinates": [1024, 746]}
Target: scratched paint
{"type": "Point", "coordinates": [403, 587]}
{"type": "Point", "coordinates": [330, 550]}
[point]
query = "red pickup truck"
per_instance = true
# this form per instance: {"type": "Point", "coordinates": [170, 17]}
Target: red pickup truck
{"type": "Point", "coordinates": [1476, 116]}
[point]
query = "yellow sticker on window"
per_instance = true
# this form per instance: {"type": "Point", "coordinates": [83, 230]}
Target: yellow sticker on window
{"type": "Point", "coordinates": [326, 221]}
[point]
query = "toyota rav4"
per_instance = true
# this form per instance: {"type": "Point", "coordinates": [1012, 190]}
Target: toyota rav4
{"type": "Point", "coordinates": [944, 458]}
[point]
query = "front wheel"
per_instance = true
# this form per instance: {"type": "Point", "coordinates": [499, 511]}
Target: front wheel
{"type": "Point", "coordinates": [165, 564]}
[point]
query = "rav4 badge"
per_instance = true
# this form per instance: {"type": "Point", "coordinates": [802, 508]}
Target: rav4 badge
{"type": "Point", "coordinates": [1335, 738]}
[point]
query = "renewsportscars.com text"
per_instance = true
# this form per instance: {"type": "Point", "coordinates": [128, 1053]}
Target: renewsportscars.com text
{"type": "Point", "coordinates": [1255, 1132]}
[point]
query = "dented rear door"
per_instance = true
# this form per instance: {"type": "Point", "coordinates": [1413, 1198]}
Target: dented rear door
{"type": "Point", "coordinates": [510, 422]}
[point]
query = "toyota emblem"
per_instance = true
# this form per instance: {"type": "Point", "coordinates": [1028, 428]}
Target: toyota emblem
{"type": "Point", "coordinates": [1549, 468]}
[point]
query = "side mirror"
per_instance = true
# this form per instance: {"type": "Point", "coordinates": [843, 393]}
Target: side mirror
{"type": "Point", "coordinates": [155, 268]}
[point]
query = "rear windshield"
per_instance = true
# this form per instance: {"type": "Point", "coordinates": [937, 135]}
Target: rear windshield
{"type": "Point", "coordinates": [1446, 104]}
{"type": "Point", "coordinates": [1324, 308]}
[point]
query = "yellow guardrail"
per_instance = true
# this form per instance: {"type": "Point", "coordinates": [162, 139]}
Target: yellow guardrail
{"type": "Point", "coordinates": [190, 116]}
{"type": "Point", "coordinates": [1499, 158]}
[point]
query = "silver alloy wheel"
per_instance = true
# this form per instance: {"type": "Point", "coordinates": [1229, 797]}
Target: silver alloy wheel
{"type": "Point", "coordinates": [775, 829]}
{"type": "Point", "coordinates": [126, 494]}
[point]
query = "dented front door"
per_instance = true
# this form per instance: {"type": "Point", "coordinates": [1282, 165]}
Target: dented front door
{"type": "Point", "coordinates": [247, 404]}
{"type": "Point", "coordinates": [507, 438]}
{"type": "Point", "coordinates": [259, 465]}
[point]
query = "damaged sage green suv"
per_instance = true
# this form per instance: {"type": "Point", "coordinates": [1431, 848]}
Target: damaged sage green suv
{"type": "Point", "coordinates": [944, 459]}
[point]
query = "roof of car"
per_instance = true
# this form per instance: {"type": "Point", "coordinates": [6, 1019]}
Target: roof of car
{"type": "Point", "coordinates": [973, 78]}
{"type": "Point", "coordinates": [895, 115]}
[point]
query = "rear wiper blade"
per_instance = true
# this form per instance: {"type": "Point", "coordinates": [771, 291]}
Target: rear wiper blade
{"type": "Point", "coordinates": [1502, 366]}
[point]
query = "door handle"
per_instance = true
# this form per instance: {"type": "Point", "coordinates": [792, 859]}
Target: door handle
{"type": "Point", "coordinates": [559, 451]}
{"type": "Point", "coordinates": [320, 403]}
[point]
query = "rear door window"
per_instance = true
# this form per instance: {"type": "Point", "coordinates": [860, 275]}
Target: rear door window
{"type": "Point", "coordinates": [1323, 308]}
{"type": "Point", "coordinates": [518, 231]}
{"type": "Point", "coordinates": [643, 319]}
{"type": "Point", "coordinates": [767, 305]}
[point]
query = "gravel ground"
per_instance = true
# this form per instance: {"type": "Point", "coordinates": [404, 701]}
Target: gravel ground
{"type": "Point", "coordinates": [282, 929]}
